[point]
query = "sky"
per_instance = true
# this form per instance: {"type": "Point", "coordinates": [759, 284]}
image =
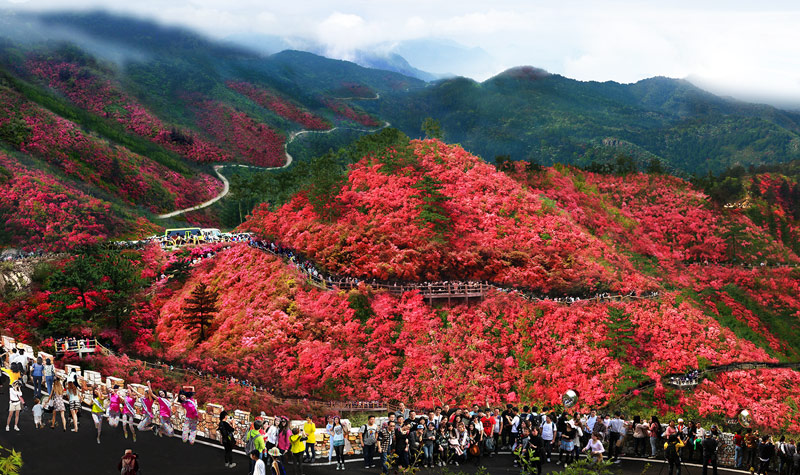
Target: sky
{"type": "Point", "coordinates": [750, 50]}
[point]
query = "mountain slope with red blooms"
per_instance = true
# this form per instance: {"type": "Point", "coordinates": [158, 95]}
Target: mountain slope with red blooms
{"type": "Point", "coordinates": [279, 105]}
{"type": "Point", "coordinates": [44, 213]}
{"type": "Point", "coordinates": [497, 229]}
{"type": "Point", "coordinates": [302, 341]}
{"type": "Point", "coordinates": [135, 179]}
{"type": "Point", "coordinates": [101, 96]}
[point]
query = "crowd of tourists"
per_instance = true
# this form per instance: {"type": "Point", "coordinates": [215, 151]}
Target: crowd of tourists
{"type": "Point", "coordinates": [402, 438]}
{"type": "Point", "coordinates": [309, 268]}
{"type": "Point", "coordinates": [454, 436]}
{"type": "Point", "coordinates": [691, 378]}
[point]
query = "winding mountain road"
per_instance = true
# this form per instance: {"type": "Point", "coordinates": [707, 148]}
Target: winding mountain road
{"type": "Point", "coordinates": [226, 184]}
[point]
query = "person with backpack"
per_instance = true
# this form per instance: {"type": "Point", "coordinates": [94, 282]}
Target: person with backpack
{"type": "Point", "coordinates": [386, 445]}
{"type": "Point", "coordinates": [672, 449]}
{"type": "Point", "coordinates": [310, 431]}
{"type": "Point", "coordinates": [275, 464]}
{"type": "Point", "coordinates": [368, 436]}
{"type": "Point", "coordinates": [226, 433]}
{"type": "Point", "coordinates": [710, 445]}
{"type": "Point", "coordinates": [549, 433]}
{"type": "Point", "coordinates": [254, 441]}
{"type": "Point", "coordinates": [790, 449]}
{"type": "Point", "coordinates": [129, 463]}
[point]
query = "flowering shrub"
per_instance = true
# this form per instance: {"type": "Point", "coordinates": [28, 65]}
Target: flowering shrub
{"type": "Point", "coordinates": [254, 141]}
{"type": "Point", "coordinates": [279, 105]}
{"type": "Point", "coordinates": [135, 179]}
{"type": "Point", "coordinates": [498, 230]}
{"type": "Point", "coordinates": [39, 212]}
{"type": "Point", "coordinates": [343, 110]}
{"type": "Point", "coordinates": [88, 90]}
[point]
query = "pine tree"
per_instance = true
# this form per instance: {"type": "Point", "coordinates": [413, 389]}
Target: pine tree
{"type": "Point", "coordinates": [199, 309]}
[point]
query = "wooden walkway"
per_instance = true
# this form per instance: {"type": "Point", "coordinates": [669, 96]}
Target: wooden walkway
{"type": "Point", "coordinates": [441, 290]}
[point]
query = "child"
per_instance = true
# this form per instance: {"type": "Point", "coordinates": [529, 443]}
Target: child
{"type": "Point", "coordinates": [37, 413]}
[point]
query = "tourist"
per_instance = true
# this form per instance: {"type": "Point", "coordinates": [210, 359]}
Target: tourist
{"type": "Point", "coordinates": [37, 372]}
{"type": "Point", "coordinates": [386, 445]}
{"type": "Point", "coordinates": [164, 412]}
{"type": "Point", "coordinates": [74, 400]}
{"type": "Point", "coordinates": [415, 442]}
{"type": "Point", "coordinates": [368, 436]}
{"type": "Point", "coordinates": [128, 413]}
{"type": "Point", "coordinates": [227, 433]}
{"type": "Point", "coordinates": [129, 463]}
{"type": "Point", "coordinates": [49, 375]}
{"type": "Point", "coordinates": [337, 441]}
{"type": "Point", "coordinates": [56, 401]}
{"type": "Point", "coordinates": [616, 431]}
{"type": "Point", "coordinates": [594, 448]}
{"type": "Point", "coordinates": [751, 444]}
{"type": "Point", "coordinates": [284, 438]}
{"type": "Point", "coordinates": [549, 432]}
{"type": "Point", "coordinates": [536, 448]}
{"type": "Point", "coordinates": [276, 466]}
{"type": "Point", "coordinates": [254, 440]}
{"type": "Point", "coordinates": [148, 417]}
{"type": "Point", "coordinates": [190, 416]}
{"type": "Point", "coordinates": [475, 443]}
{"type": "Point", "coordinates": [15, 402]}
{"type": "Point", "coordinates": [442, 446]}
{"type": "Point", "coordinates": [766, 450]}
{"type": "Point", "coordinates": [655, 432]}
{"type": "Point", "coordinates": [640, 434]}
{"type": "Point", "coordinates": [257, 465]}
{"type": "Point", "coordinates": [298, 447]}
{"type": "Point", "coordinates": [98, 410]}
{"type": "Point", "coordinates": [37, 410]}
{"type": "Point", "coordinates": [710, 445]}
{"type": "Point", "coordinates": [738, 447]}
{"type": "Point", "coordinates": [310, 431]}
{"type": "Point", "coordinates": [672, 449]}
{"type": "Point", "coordinates": [114, 406]}
{"type": "Point", "coordinates": [271, 434]}
{"type": "Point", "coordinates": [429, 444]}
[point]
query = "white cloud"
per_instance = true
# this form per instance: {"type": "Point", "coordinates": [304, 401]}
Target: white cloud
{"type": "Point", "coordinates": [732, 45]}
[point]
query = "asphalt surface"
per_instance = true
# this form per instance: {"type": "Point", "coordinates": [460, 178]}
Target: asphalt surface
{"type": "Point", "coordinates": [50, 451]}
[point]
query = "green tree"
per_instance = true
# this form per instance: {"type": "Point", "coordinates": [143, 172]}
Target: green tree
{"type": "Point", "coordinates": [432, 209]}
{"type": "Point", "coordinates": [122, 281]}
{"type": "Point", "coordinates": [199, 309]}
{"type": "Point", "coordinates": [432, 128]}
{"type": "Point", "coordinates": [655, 167]}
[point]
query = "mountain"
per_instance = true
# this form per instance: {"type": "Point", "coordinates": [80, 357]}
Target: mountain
{"type": "Point", "coordinates": [412, 211]}
{"type": "Point", "coordinates": [529, 114]}
{"type": "Point", "coordinates": [374, 59]}
{"type": "Point", "coordinates": [145, 131]}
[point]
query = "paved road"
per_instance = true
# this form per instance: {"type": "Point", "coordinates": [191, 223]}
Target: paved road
{"type": "Point", "coordinates": [47, 451]}
{"type": "Point", "coordinates": [289, 158]}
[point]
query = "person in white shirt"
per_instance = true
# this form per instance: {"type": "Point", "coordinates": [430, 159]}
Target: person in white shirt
{"type": "Point", "coordinates": [15, 402]}
{"type": "Point", "coordinates": [590, 422]}
{"type": "Point", "coordinates": [595, 448]}
{"type": "Point", "coordinates": [260, 468]}
{"type": "Point", "coordinates": [548, 435]}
